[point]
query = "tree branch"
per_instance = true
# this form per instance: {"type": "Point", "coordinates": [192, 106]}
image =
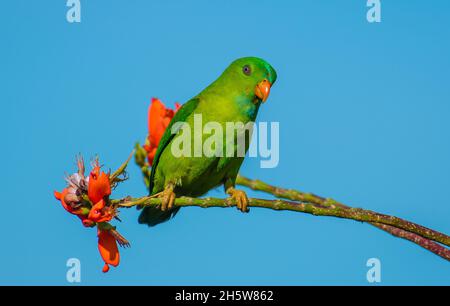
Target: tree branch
{"type": "Point", "coordinates": [305, 203]}
{"type": "Point", "coordinates": [309, 208]}
{"type": "Point", "coordinates": [296, 195]}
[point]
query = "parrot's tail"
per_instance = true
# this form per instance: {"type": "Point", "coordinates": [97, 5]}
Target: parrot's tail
{"type": "Point", "coordinates": [154, 215]}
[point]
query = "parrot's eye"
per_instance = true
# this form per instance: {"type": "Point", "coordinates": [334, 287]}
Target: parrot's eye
{"type": "Point", "coordinates": [246, 70]}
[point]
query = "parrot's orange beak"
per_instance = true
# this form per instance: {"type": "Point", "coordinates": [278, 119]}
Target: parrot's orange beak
{"type": "Point", "coordinates": [262, 90]}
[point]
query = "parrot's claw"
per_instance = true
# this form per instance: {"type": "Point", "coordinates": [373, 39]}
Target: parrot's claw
{"type": "Point", "coordinates": [167, 198]}
{"type": "Point", "coordinates": [240, 197]}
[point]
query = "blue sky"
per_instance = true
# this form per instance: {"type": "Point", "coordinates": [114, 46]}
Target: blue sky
{"type": "Point", "coordinates": [363, 111]}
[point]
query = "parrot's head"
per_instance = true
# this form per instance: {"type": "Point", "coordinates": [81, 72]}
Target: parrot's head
{"type": "Point", "coordinates": [252, 77]}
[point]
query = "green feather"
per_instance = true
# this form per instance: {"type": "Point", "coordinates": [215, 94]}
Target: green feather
{"type": "Point", "coordinates": [180, 116]}
{"type": "Point", "coordinates": [231, 98]}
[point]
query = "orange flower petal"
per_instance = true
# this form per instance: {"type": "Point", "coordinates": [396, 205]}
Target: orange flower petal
{"type": "Point", "coordinates": [58, 195]}
{"type": "Point", "coordinates": [151, 155]}
{"type": "Point", "coordinates": [99, 185]}
{"type": "Point", "coordinates": [96, 211]}
{"type": "Point", "coordinates": [88, 223]}
{"type": "Point", "coordinates": [156, 112]}
{"type": "Point", "coordinates": [100, 214]}
{"type": "Point", "coordinates": [105, 268]}
{"type": "Point", "coordinates": [159, 118]}
{"type": "Point", "coordinates": [108, 248]}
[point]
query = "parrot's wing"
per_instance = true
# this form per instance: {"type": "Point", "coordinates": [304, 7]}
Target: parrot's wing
{"type": "Point", "coordinates": [180, 116]}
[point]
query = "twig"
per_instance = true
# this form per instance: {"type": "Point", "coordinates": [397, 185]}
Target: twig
{"type": "Point", "coordinates": [121, 169]}
{"type": "Point", "coordinates": [140, 158]}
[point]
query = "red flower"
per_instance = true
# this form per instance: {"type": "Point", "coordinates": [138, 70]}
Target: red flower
{"type": "Point", "coordinates": [101, 213]}
{"type": "Point", "coordinates": [65, 195]}
{"type": "Point", "coordinates": [94, 210]}
{"type": "Point", "coordinates": [108, 249]}
{"type": "Point", "coordinates": [99, 185]}
{"type": "Point", "coordinates": [158, 120]}
{"type": "Point", "coordinates": [70, 202]}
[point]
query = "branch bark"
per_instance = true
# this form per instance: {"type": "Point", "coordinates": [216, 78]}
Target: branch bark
{"type": "Point", "coordinates": [308, 203]}
{"type": "Point", "coordinates": [425, 235]}
{"type": "Point", "coordinates": [296, 195]}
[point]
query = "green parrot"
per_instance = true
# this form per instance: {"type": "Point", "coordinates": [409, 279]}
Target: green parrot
{"type": "Point", "coordinates": [234, 97]}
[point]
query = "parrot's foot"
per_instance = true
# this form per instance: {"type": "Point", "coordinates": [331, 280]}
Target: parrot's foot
{"type": "Point", "coordinates": [167, 198]}
{"type": "Point", "coordinates": [240, 197]}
